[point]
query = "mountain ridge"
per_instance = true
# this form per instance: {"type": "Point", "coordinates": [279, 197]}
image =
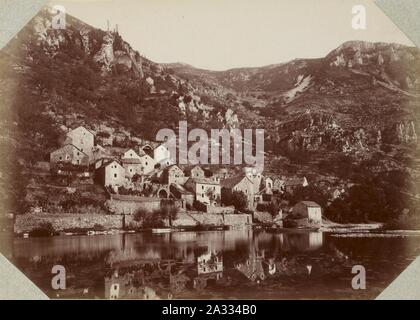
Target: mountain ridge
{"type": "Point", "coordinates": [358, 103]}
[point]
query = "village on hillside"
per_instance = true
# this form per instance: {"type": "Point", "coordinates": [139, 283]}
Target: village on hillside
{"type": "Point", "coordinates": [143, 179]}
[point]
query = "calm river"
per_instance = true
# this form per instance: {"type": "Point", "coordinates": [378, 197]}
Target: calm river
{"type": "Point", "coordinates": [216, 265]}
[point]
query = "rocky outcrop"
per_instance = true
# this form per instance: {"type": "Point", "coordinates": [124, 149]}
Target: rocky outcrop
{"type": "Point", "coordinates": [105, 55]}
{"type": "Point", "coordinates": [406, 132]}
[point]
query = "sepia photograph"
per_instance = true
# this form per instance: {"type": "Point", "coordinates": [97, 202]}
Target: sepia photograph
{"type": "Point", "coordinates": [208, 150]}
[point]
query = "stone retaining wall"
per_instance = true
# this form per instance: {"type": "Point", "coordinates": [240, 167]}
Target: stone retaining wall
{"type": "Point", "coordinates": [63, 222]}
{"type": "Point", "coordinates": [193, 219]}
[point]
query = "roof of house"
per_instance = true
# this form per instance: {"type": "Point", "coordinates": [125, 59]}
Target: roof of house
{"type": "Point", "coordinates": [180, 189]}
{"type": "Point", "coordinates": [69, 144]}
{"type": "Point", "coordinates": [161, 145]}
{"type": "Point", "coordinates": [204, 181]}
{"type": "Point", "coordinates": [188, 169]}
{"type": "Point", "coordinates": [231, 182]}
{"type": "Point", "coordinates": [146, 155]}
{"type": "Point", "coordinates": [130, 149]}
{"type": "Point", "coordinates": [310, 203]}
{"type": "Point", "coordinates": [130, 161]}
{"type": "Point", "coordinates": [107, 163]}
{"type": "Point", "coordinates": [91, 132]}
{"type": "Point", "coordinates": [141, 152]}
{"type": "Point", "coordinates": [294, 182]}
{"type": "Point", "coordinates": [171, 167]}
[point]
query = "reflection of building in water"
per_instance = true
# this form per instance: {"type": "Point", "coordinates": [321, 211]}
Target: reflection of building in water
{"type": "Point", "coordinates": [253, 266]}
{"type": "Point", "coordinates": [303, 241]}
{"type": "Point", "coordinates": [315, 240]}
{"type": "Point", "coordinates": [147, 279]}
{"type": "Point", "coordinates": [128, 285]}
{"type": "Point", "coordinates": [209, 267]}
{"type": "Point", "coordinates": [220, 241]}
{"type": "Point", "coordinates": [209, 262]}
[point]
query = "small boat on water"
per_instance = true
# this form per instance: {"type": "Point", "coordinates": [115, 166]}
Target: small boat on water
{"type": "Point", "coordinates": [161, 230]}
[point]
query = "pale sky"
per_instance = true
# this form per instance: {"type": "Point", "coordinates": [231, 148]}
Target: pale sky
{"type": "Point", "coordinates": [224, 34]}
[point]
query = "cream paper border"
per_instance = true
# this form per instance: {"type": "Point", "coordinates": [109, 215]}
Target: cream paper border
{"type": "Point", "coordinates": [15, 14]}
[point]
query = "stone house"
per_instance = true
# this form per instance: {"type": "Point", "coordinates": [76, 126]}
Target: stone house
{"type": "Point", "coordinates": [98, 163]}
{"type": "Point", "coordinates": [130, 154]}
{"type": "Point", "coordinates": [112, 174]}
{"type": "Point", "coordinates": [207, 191]}
{"type": "Point", "coordinates": [131, 163]}
{"type": "Point", "coordinates": [132, 167]}
{"type": "Point", "coordinates": [268, 185]}
{"type": "Point", "coordinates": [292, 184]}
{"type": "Point", "coordinates": [255, 177]}
{"type": "Point", "coordinates": [162, 155]}
{"type": "Point", "coordinates": [308, 209]}
{"type": "Point", "coordinates": [99, 152]}
{"type": "Point", "coordinates": [278, 185]}
{"type": "Point", "coordinates": [221, 173]}
{"type": "Point", "coordinates": [173, 174]}
{"type": "Point", "coordinates": [148, 163]}
{"type": "Point", "coordinates": [239, 183]}
{"type": "Point", "coordinates": [179, 192]}
{"type": "Point", "coordinates": [195, 172]}
{"type": "Point", "coordinates": [69, 154]}
{"type": "Point", "coordinates": [83, 139]}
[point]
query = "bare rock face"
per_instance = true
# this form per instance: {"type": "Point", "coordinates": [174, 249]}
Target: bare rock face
{"type": "Point", "coordinates": [231, 119]}
{"type": "Point", "coordinates": [105, 56]}
{"type": "Point", "coordinates": [135, 59]}
{"type": "Point", "coordinates": [406, 132]}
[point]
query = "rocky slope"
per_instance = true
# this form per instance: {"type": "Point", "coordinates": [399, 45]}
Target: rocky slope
{"type": "Point", "coordinates": [361, 98]}
{"type": "Point", "coordinates": [360, 102]}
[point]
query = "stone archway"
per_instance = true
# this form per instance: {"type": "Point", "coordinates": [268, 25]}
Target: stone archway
{"type": "Point", "coordinates": [163, 193]}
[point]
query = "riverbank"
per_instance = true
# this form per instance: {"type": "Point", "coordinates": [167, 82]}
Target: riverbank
{"type": "Point", "coordinates": [41, 224]}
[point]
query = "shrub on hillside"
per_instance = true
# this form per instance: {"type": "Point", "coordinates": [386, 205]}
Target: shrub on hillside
{"type": "Point", "coordinates": [45, 229]}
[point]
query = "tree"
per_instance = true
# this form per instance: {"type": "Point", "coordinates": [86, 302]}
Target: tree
{"type": "Point", "coordinates": [237, 199]}
{"type": "Point", "coordinates": [310, 193]}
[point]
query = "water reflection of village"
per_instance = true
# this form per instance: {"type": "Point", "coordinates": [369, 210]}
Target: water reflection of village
{"type": "Point", "coordinates": [184, 269]}
{"type": "Point", "coordinates": [232, 264]}
{"type": "Point", "coordinates": [180, 264]}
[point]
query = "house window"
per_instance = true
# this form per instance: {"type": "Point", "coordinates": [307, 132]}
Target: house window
{"type": "Point", "coordinates": [78, 161]}
{"type": "Point", "coordinates": [202, 187]}
{"type": "Point", "coordinates": [61, 158]}
{"type": "Point", "coordinates": [115, 175]}
{"type": "Point", "coordinates": [146, 163]}
{"type": "Point", "coordinates": [131, 170]}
